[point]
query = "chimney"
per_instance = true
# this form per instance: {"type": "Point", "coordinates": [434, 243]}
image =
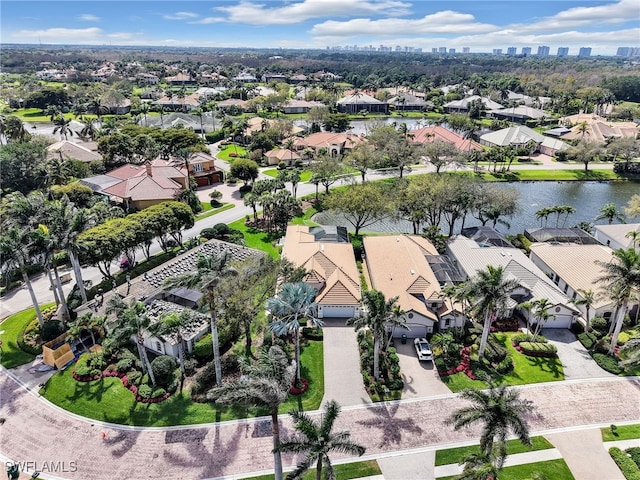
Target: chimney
{"type": "Point", "coordinates": [148, 167]}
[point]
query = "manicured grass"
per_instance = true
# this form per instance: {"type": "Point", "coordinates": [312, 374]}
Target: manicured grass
{"type": "Point", "coordinates": [526, 370]}
{"type": "Point", "coordinates": [12, 356]}
{"type": "Point", "coordinates": [551, 469]}
{"type": "Point", "coordinates": [36, 115]}
{"type": "Point", "coordinates": [623, 432]}
{"type": "Point", "coordinates": [305, 175]}
{"type": "Point", "coordinates": [344, 471]}
{"type": "Point", "coordinates": [305, 218]}
{"type": "Point", "coordinates": [109, 401]}
{"type": "Point", "coordinates": [551, 175]}
{"type": "Point", "coordinates": [212, 211]}
{"type": "Point", "coordinates": [229, 149]}
{"type": "Point", "coordinates": [257, 239]}
{"type": "Point", "coordinates": [455, 455]}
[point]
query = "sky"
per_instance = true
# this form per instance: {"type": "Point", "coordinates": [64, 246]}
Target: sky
{"type": "Point", "coordinates": [481, 25]}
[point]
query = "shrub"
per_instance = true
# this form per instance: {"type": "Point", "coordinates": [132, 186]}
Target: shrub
{"type": "Point", "coordinates": [164, 369]}
{"type": "Point", "coordinates": [312, 333]}
{"type": "Point", "coordinates": [203, 348]}
{"type": "Point", "coordinates": [51, 330]}
{"type": "Point", "coordinates": [600, 326]}
{"type": "Point", "coordinates": [97, 361]}
{"type": "Point", "coordinates": [204, 380]}
{"type": "Point", "coordinates": [623, 338]}
{"type": "Point", "coordinates": [505, 365]}
{"type": "Point", "coordinates": [602, 346]}
{"type": "Point", "coordinates": [245, 188]}
{"type": "Point", "coordinates": [125, 365]}
{"type": "Point", "coordinates": [495, 352]}
{"type": "Point", "coordinates": [522, 337]}
{"type": "Point", "coordinates": [144, 380]}
{"type": "Point", "coordinates": [158, 392]}
{"type": "Point", "coordinates": [145, 391]}
{"type": "Point", "coordinates": [538, 349]}
{"type": "Point", "coordinates": [82, 367]}
{"type": "Point", "coordinates": [577, 328]}
{"type": "Point", "coordinates": [587, 339]}
{"type": "Point", "coordinates": [29, 338]}
{"type": "Point", "coordinates": [634, 453]}
{"type": "Point", "coordinates": [627, 466]}
{"type": "Point", "coordinates": [607, 363]}
{"type": "Point", "coordinates": [134, 376]}
{"type": "Point", "coordinates": [215, 136]}
{"type": "Point", "coordinates": [190, 366]}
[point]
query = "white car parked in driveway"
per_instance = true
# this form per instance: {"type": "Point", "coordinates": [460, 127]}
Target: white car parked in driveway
{"type": "Point", "coordinates": [423, 349]}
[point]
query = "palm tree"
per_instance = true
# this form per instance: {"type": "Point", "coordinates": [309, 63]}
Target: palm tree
{"type": "Point", "coordinates": [478, 466]}
{"type": "Point", "coordinates": [587, 298]}
{"type": "Point", "coordinates": [250, 199]}
{"type": "Point", "coordinates": [491, 290]}
{"type": "Point", "coordinates": [175, 325]}
{"type": "Point", "coordinates": [317, 441]}
{"type": "Point", "coordinates": [210, 271]}
{"type": "Point", "coordinates": [293, 304]}
{"type": "Point", "coordinates": [381, 315]}
{"type": "Point", "coordinates": [634, 236]}
{"type": "Point", "coordinates": [621, 277]}
{"type": "Point", "coordinates": [3, 130]}
{"type": "Point", "coordinates": [132, 321]}
{"type": "Point", "coordinates": [610, 212]}
{"type": "Point", "coordinates": [541, 313]}
{"type": "Point", "coordinates": [89, 129]}
{"type": "Point", "coordinates": [265, 384]}
{"type": "Point", "coordinates": [543, 214]}
{"type": "Point", "coordinates": [500, 411]}
{"type": "Point", "coordinates": [144, 110]}
{"type": "Point", "coordinates": [62, 126]}
{"type": "Point", "coordinates": [15, 130]}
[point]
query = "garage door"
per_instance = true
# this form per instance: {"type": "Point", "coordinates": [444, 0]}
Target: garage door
{"type": "Point", "coordinates": [416, 330]}
{"type": "Point", "coordinates": [560, 321]}
{"type": "Point", "coordinates": [335, 311]}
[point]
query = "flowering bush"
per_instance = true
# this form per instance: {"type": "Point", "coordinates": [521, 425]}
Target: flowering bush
{"type": "Point", "coordinates": [301, 388]}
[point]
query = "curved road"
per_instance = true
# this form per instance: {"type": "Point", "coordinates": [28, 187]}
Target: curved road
{"type": "Point", "coordinates": [36, 431]}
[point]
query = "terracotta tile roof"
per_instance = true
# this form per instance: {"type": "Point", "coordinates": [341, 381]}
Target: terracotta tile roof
{"type": "Point", "coordinates": [72, 150]}
{"type": "Point", "coordinates": [397, 266]}
{"type": "Point", "coordinates": [331, 264]}
{"type": "Point", "coordinates": [282, 154]}
{"type": "Point", "coordinates": [430, 134]}
{"type": "Point", "coordinates": [145, 188]}
{"type": "Point", "coordinates": [324, 139]}
{"type": "Point", "coordinates": [232, 102]}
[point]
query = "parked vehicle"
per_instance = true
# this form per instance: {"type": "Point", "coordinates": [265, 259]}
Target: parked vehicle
{"type": "Point", "coordinates": [423, 349]}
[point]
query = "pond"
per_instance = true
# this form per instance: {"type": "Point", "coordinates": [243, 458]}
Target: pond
{"type": "Point", "coordinates": [366, 126]}
{"type": "Point", "coordinates": [586, 197]}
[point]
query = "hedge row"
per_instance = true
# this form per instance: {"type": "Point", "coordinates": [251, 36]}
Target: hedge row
{"type": "Point", "coordinates": [607, 363]}
{"type": "Point", "coordinates": [629, 469]}
{"type": "Point", "coordinates": [587, 339]}
{"type": "Point", "coordinates": [527, 337]}
{"type": "Point", "coordinates": [537, 349]}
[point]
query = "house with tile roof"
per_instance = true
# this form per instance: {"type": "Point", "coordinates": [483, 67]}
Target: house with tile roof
{"type": "Point", "coordinates": [231, 103]}
{"type": "Point", "coordinates": [421, 136]}
{"type": "Point", "coordinates": [471, 257]}
{"type": "Point", "coordinates": [407, 102]}
{"type": "Point", "coordinates": [202, 167]}
{"type": "Point", "coordinates": [615, 235]}
{"type": "Point", "coordinates": [598, 129]}
{"type": "Point", "coordinates": [462, 105]}
{"type": "Point", "coordinates": [274, 157]}
{"type": "Point", "coordinates": [359, 102]}
{"type": "Point", "coordinates": [176, 103]}
{"type": "Point", "coordinates": [331, 266]}
{"type": "Point", "coordinates": [523, 137]}
{"type": "Point", "coordinates": [336, 144]}
{"type": "Point", "coordinates": [300, 106]}
{"type": "Point", "coordinates": [180, 79]}
{"type": "Point", "coordinates": [72, 151]}
{"type": "Point", "coordinates": [404, 266]}
{"type": "Point", "coordinates": [518, 114]}
{"type": "Point", "coordinates": [559, 261]}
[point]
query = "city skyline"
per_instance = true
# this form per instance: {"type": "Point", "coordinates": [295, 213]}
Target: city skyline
{"type": "Point", "coordinates": [603, 26]}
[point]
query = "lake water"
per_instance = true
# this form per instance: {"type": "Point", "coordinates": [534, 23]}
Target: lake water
{"type": "Point", "coordinates": [366, 126]}
{"type": "Point", "coordinates": [586, 197]}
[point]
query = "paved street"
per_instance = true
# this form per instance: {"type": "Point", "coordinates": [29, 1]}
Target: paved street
{"type": "Point", "coordinates": [34, 430]}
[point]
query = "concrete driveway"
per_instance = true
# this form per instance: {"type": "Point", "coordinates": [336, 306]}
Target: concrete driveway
{"type": "Point", "coordinates": [576, 361]}
{"type": "Point", "coordinates": [421, 379]}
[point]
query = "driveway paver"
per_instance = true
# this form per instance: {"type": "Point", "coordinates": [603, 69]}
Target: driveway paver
{"type": "Point", "coordinates": [421, 379]}
{"type": "Point", "coordinates": [576, 361]}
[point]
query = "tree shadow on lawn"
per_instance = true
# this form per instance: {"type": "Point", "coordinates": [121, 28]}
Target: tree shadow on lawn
{"type": "Point", "coordinates": [93, 390]}
{"type": "Point", "coordinates": [546, 365]}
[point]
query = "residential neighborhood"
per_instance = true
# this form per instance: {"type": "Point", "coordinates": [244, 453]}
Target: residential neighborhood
{"type": "Point", "coordinates": [274, 263]}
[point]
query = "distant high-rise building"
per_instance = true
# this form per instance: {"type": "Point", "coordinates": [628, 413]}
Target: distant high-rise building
{"type": "Point", "coordinates": [434, 50]}
{"type": "Point", "coordinates": [562, 51]}
{"type": "Point", "coordinates": [466, 50]}
{"type": "Point", "coordinates": [497, 51]}
{"type": "Point", "coordinates": [452, 50]}
{"type": "Point", "coordinates": [585, 52]}
{"type": "Point", "coordinates": [543, 51]}
{"type": "Point", "coordinates": [417, 50]}
{"type": "Point", "coordinates": [526, 51]}
{"type": "Point", "coordinates": [511, 50]}
{"type": "Point", "coordinates": [442, 50]}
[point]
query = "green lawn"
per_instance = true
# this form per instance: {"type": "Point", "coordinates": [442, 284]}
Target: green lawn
{"type": "Point", "coordinates": [257, 239]}
{"type": "Point", "coordinates": [551, 469]}
{"type": "Point", "coordinates": [455, 455]}
{"type": "Point", "coordinates": [623, 432]}
{"type": "Point", "coordinates": [36, 115]}
{"type": "Point", "coordinates": [11, 355]}
{"type": "Point", "coordinates": [109, 401]}
{"type": "Point", "coordinates": [305, 175]}
{"type": "Point", "coordinates": [305, 218]}
{"type": "Point", "coordinates": [208, 212]}
{"type": "Point", "coordinates": [344, 471]}
{"type": "Point", "coordinates": [225, 151]}
{"type": "Point", "coordinates": [551, 175]}
{"type": "Point", "coordinates": [526, 370]}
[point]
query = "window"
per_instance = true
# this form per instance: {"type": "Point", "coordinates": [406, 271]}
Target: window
{"type": "Point", "coordinates": [557, 309]}
{"type": "Point", "coordinates": [197, 167]}
{"type": "Point", "coordinates": [410, 315]}
{"type": "Point", "coordinates": [158, 346]}
{"type": "Point", "coordinates": [447, 322]}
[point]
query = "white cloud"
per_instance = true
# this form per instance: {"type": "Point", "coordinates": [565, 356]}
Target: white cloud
{"type": "Point", "coordinates": [77, 35]}
{"type": "Point", "coordinates": [87, 17]}
{"type": "Point", "coordinates": [181, 16]}
{"type": "Point", "coordinates": [296, 12]}
{"type": "Point", "coordinates": [208, 20]}
{"type": "Point", "coordinates": [446, 22]}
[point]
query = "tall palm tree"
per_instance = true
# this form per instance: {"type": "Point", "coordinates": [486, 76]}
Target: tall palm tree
{"type": "Point", "coordinates": [587, 298]}
{"type": "Point", "coordinates": [491, 290]}
{"type": "Point", "coordinates": [62, 126]}
{"type": "Point", "coordinates": [89, 129]}
{"type": "Point", "coordinates": [293, 305]}
{"type": "Point", "coordinates": [266, 384]}
{"type": "Point", "coordinates": [541, 313]}
{"type": "Point", "coordinates": [210, 271]}
{"type": "Point", "coordinates": [175, 325]}
{"type": "Point", "coordinates": [382, 314]}
{"type": "Point", "coordinates": [621, 276]}
{"type": "Point", "coordinates": [317, 441]}
{"type": "Point", "coordinates": [610, 212]}
{"type": "Point", "coordinates": [500, 411]}
{"type": "Point", "coordinates": [132, 321]}
{"type": "Point", "coordinates": [15, 130]}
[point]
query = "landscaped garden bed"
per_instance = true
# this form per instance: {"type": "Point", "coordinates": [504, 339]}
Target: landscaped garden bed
{"type": "Point", "coordinates": [598, 343]}
{"type": "Point", "coordinates": [390, 384]}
